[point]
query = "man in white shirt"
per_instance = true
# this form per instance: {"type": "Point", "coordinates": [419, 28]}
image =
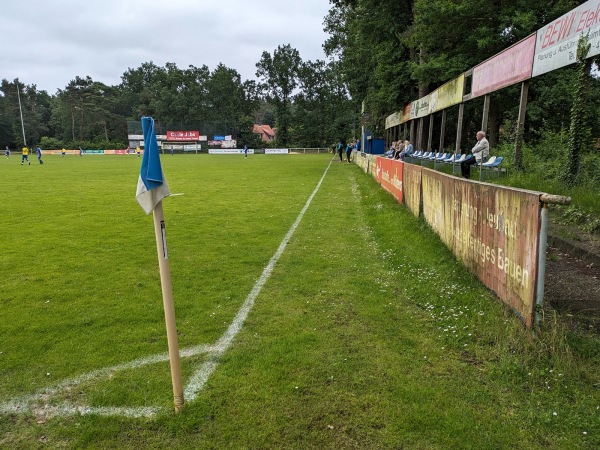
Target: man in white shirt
{"type": "Point", "coordinates": [481, 151]}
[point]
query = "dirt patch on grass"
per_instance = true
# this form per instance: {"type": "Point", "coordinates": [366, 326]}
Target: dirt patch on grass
{"type": "Point", "coordinates": [573, 287]}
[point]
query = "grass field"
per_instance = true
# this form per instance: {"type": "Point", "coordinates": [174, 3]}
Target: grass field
{"type": "Point", "coordinates": [368, 334]}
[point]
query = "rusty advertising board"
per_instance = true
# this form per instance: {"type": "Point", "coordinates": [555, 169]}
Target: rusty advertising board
{"type": "Point", "coordinates": [366, 162]}
{"type": "Point", "coordinates": [405, 117]}
{"type": "Point", "coordinates": [504, 69]}
{"type": "Point", "coordinates": [492, 229]}
{"type": "Point", "coordinates": [437, 212]}
{"type": "Point", "coordinates": [372, 165]}
{"type": "Point", "coordinates": [393, 120]}
{"type": "Point", "coordinates": [389, 176]}
{"type": "Point", "coordinates": [412, 187]}
{"type": "Point", "coordinates": [556, 44]}
{"type": "Point", "coordinates": [360, 159]}
{"type": "Point", "coordinates": [447, 95]}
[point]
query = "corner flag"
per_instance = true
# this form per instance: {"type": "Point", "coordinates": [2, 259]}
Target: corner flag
{"type": "Point", "coordinates": [152, 186]}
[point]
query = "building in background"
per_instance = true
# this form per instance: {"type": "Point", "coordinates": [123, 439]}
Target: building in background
{"type": "Point", "coordinates": [266, 133]}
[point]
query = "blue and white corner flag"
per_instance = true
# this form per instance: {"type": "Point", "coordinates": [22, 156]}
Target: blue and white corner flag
{"type": "Point", "coordinates": [152, 186]}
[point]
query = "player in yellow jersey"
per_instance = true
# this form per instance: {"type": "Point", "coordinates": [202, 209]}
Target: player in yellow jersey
{"type": "Point", "coordinates": [25, 156]}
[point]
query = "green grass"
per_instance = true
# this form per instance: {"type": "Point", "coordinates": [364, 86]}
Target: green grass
{"type": "Point", "coordinates": [369, 334]}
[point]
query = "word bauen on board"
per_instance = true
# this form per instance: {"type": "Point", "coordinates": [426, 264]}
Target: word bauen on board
{"type": "Point", "coordinates": [494, 256]}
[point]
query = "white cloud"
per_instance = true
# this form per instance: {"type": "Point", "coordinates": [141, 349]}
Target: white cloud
{"type": "Point", "coordinates": [49, 43]}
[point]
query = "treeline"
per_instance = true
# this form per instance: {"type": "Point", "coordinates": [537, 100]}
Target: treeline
{"type": "Point", "coordinates": [393, 52]}
{"type": "Point", "coordinates": [305, 100]}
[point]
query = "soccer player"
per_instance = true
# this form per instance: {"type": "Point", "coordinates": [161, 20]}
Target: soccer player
{"type": "Point", "coordinates": [138, 151]}
{"type": "Point", "coordinates": [38, 150]}
{"type": "Point", "coordinates": [62, 152]}
{"type": "Point", "coordinates": [7, 152]}
{"type": "Point", "coordinates": [80, 152]}
{"type": "Point", "coordinates": [245, 151]}
{"type": "Point", "coordinates": [25, 156]}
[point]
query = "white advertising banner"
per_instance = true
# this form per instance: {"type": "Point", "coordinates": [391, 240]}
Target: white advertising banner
{"type": "Point", "coordinates": [229, 151]}
{"type": "Point", "coordinates": [232, 143]}
{"type": "Point", "coordinates": [556, 43]}
{"type": "Point", "coordinates": [420, 108]}
{"type": "Point", "coordinates": [277, 151]}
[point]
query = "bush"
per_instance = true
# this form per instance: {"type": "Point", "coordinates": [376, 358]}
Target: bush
{"type": "Point", "coordinates": [50, 143]}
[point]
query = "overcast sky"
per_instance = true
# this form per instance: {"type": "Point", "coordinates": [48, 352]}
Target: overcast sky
{"type": "Point", "coordinates": [49, 42]}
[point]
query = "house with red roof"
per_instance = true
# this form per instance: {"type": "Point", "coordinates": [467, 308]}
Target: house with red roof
{"type": "Point", "coordinates": [265, 132]}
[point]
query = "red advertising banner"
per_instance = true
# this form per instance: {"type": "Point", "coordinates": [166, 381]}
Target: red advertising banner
{"type": "Point", "coordinates": [389, 175]}
{"type": "Point", "coordinates": [492, 229]}
{"type": "Point", "coordinates": [412, 188]}
{"type": "Point", "coordinates": [506, 68]}
{"type": "Point", "coordinates": [183, 136]}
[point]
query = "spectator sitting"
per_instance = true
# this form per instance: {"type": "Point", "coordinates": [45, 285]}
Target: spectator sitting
{"type": "Point", "coordinates": [481, 151]}
{"type": "Point", "coordinates": [391, 151]}
{"type": "Point", "coordinates": [399, 149]}
{"type": "Point", "coordinates": [408, 150]}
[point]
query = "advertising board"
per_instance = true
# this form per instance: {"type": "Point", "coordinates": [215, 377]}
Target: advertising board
{"type": "Point", "coordinates": [392, 120]}
{"type": "Point", "coordinates": [492, 229]}
{"type": "Point", "coordinates": [183, 135]}
{"type": "Point", "coordinates": [277, 151]}
{"type": "Point", "coordinates": [556, 43]}
{"type": "Point", "coordinates": [420, 108]}
{"type": "Point", "coordinates": [406, 113]}
{"type": "Point", "coordinates": [389, 174]}
{"type": "Point", "coordinates": [504, 69]}
{"type": "Point", "coordinates": [447, 95]}
{"type": "Point", "coordinates": [229, 151]}
{"type": "Point", "coordinates": [412, 187]}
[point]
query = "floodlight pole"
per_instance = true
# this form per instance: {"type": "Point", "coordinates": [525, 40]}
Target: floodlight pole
{"type": "Point", "coordinates": [169, 306]}
{"type": "Point", "coordinates": [21, 112]}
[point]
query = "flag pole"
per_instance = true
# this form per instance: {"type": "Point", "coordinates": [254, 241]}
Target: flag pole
{"type": "Point", "coordinates": [21, 111]}
{"type": "Point", "coordinates": [169, 306]}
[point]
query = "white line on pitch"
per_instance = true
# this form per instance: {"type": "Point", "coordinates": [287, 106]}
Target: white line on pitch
{"type": "Point", "coordinates": [24, 403]}
{"type": "Point", "coordinates": [201, 376]}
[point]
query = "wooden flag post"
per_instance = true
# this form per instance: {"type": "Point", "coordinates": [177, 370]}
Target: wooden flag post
{"type": "Point", "coordinates": [167, 292]}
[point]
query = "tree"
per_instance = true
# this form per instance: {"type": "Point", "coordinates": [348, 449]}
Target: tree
{"type": "Point", "coordinates": [323, 111]}
{"type": "Point", "coordinates": [87, 110]}
{"type": "Point", "coordinates": [279, 74]}
{"type": "Point", "coordinates": [579, 134]}
{"type": "Point", "coordinates": [36, 113]}
{"type": "Point", "coordinates": [366, 36]}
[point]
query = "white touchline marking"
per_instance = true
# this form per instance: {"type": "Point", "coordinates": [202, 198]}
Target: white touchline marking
{"type": "Point", "coordinates": [176, 195]}
{"type": "Point", "coordinates": [201, 376]}
{"type": "Point", "coordinates": [37, 403]}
